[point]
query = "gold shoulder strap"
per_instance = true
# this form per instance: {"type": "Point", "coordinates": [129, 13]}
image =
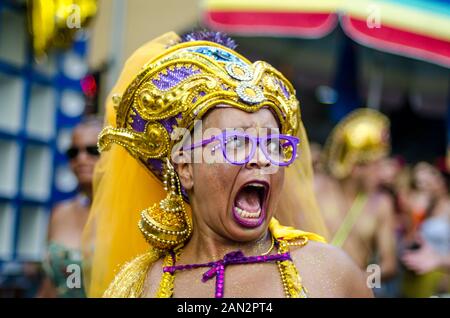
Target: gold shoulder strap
{"type": "Point", "coordinates": [288, 236]}
{"type": "Point", "coordinates": [288, 233]}
{"type": "Point", "coordinates": [349, 221]}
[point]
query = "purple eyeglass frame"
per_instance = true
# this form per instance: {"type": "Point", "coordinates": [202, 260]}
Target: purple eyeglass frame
{"type": "Point", "coordinates": [294, 141]}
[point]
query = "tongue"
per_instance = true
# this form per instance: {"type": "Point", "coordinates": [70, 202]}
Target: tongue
{"type": "Point", "coordinates": [248, 200]}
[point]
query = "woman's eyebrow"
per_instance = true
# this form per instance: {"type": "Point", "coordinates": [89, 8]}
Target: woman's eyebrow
{"type": "Point", "coordinates": [252, 127]}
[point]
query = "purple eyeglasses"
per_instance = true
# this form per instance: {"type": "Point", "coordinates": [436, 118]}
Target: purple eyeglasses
{"type": "Point", "coordinates": [238, 147]}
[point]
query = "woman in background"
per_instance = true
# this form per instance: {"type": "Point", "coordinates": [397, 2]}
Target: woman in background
{"type": "Point", "coordinates": [432, 232]}
{"type": "Point", "coordinates": [63, 261]}
{"type": "Point", "coordinates": [420, 195]}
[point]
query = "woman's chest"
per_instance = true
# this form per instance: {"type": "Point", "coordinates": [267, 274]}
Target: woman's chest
{"type": "Point", "coordinates": [239, 281]}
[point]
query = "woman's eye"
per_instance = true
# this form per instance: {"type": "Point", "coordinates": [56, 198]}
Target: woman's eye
{"type": "Point", "coordinates": [234, 142]}
{"type": "Point", "coordinates": [274, 146]}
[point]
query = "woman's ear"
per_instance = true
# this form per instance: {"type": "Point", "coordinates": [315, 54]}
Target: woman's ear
{"type": "Point", "coordinates": [183, 167]}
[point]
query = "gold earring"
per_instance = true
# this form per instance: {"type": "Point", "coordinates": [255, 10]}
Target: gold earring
{"type": "Point", "coordinates": [166, 225]}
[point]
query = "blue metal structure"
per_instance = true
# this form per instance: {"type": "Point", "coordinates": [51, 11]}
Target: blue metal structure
{"type": "Point", "coordinates": [39, 106]}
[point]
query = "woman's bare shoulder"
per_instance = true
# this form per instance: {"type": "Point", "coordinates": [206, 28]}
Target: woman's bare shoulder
{"type": "Point", "coordinates": [64, 209]}
{"type": "Point", "coordinates": [328, 271]}
{"type": "Point", "coordinates": [61, 218]}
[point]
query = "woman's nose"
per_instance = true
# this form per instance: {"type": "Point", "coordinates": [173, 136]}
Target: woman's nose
{"type": "Point", "coordinates": [259, 160]}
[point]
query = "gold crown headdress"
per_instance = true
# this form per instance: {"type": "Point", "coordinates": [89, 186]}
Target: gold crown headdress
{"type": "Point", "coordinates": [172, 91]}
{"type": "Point", "coordinates": [362, 136]}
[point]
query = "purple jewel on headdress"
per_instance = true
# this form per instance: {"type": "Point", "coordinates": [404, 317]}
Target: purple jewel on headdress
{"type": "Point", "coordinates": [138, 123]}
{"type": "Point", "coordinates": [174, 77]}
{"type": "Point", "coordinates": [284, 89]}
{"type": "Point", "coordinates": [200, 94]}
{"type": "Point", "coordinates": [170, 122]}
{"type": "Point", "coordinates": [212, 36]}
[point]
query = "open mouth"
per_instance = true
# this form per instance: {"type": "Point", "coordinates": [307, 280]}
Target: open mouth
{"type": "Point", "coordinates": [250, 204]}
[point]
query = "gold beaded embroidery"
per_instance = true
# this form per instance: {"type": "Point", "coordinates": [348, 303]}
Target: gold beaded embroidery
{"type": "Point", "coordinates": [290, 277]}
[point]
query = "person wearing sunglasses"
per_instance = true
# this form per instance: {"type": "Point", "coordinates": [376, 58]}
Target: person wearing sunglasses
{"type": "Point", "coordinates": [200, 154]}
{"type": "Point", "coordinates": [69, 217]}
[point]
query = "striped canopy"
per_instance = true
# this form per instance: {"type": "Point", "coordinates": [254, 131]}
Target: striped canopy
{"type": "Point", "coordinates": [414, 28]}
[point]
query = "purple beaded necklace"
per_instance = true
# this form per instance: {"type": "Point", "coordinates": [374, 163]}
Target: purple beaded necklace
{"type": "Point", "coordinates": [217, 268]}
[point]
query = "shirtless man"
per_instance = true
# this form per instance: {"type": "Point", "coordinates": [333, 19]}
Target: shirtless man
{"type": "Point", "coordinates": [359, 217]}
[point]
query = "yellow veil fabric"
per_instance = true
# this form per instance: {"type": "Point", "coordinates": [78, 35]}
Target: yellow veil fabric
{"type": "Point", "coordinates": [298, 206]}
{"type": "Point", "coordinates": [123, 187]}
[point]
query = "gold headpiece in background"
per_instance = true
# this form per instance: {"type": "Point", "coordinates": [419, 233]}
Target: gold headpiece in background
{"type": "Point", "coordinates": [361, 137]}
{"type": "Point", "coordinates": [53, 23]}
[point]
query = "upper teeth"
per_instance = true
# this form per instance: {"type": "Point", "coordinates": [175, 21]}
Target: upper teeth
{"type": "Point", "coordinates": [246, 214]}
{"type": "Point", "coordinates": [259, 185]}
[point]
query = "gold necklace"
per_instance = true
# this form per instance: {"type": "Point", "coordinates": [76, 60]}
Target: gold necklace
{"type": "Point", "coordinates": [271, 246]}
